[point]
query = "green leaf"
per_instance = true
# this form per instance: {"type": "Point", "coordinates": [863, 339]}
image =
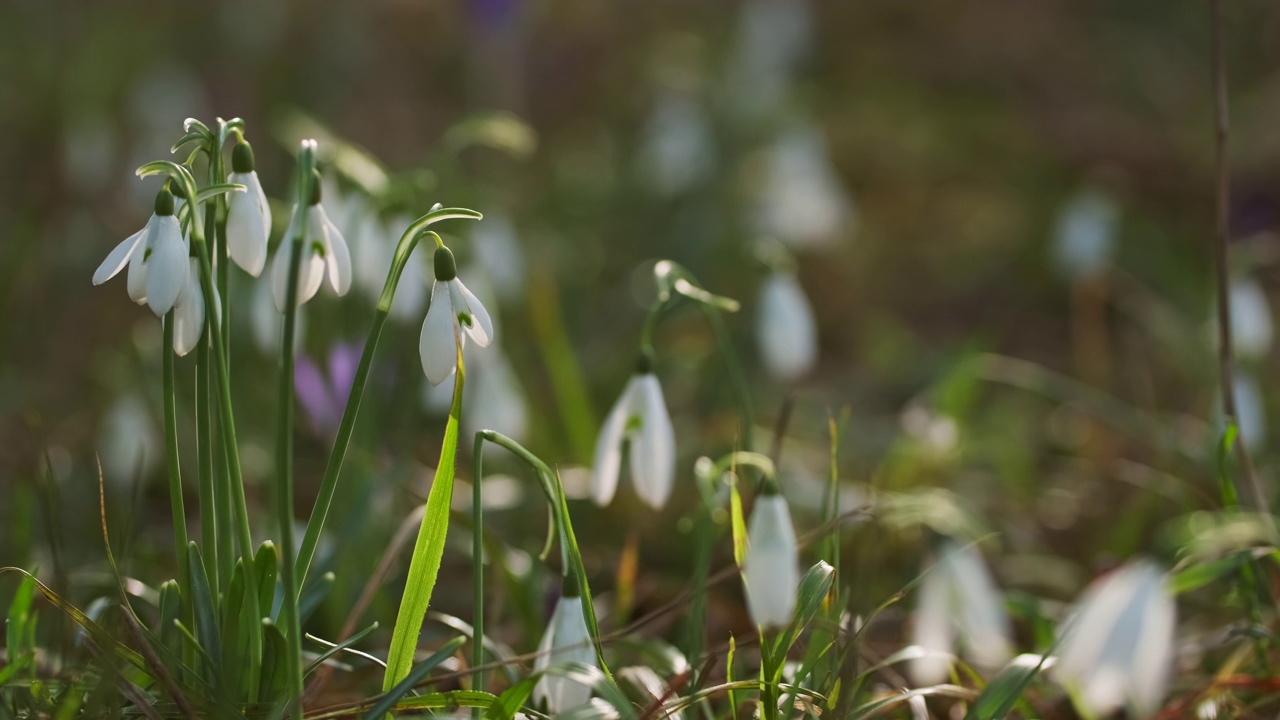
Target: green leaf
{"type": "Point", "coordinates": [501, 131]}
{"type": "Point", "coordinates": [998, 698]}
{"type": "Point", "coordinates": [428, 550]}
{"type": "Point", "coordinates": [265, 568]}
{"type": "Point", "coordinates": [1198, 575]}
{"type": "Point", "coordinates": [512, 699]}
{"type": "Point", "coordinates": [410, 679]}
{"type": "Point", "coordinates": [738, 524]}
{"type": "Point", "coordinates": [170, 611]}
{"type": "Point", "coordinates": [813, 589]}
{"type": "Point", "coordinates": [313, 595]}
{"type": "Point", "coordinates": [217, 189]}
{"type": "Point", "coordinates": [275, 671]}
{"type": "Point", "coordinates": [202, 603]}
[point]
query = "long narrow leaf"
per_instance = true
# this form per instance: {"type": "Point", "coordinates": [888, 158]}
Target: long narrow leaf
{"type": "Point", "coordinates": [404, 686]}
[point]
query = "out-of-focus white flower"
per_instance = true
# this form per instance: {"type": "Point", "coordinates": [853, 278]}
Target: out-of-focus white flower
{"type": "Point", "coordinates": [773, 36]}
{"type": "Point", "coordinates": [129, 444]}
{"type": "Point", "coordinates": [640, 417]}
{"type": "Point", "coordinates": [1251, 411]}
{"type": "Point", "coordinates": [496, 400]}
{"type": "Point", "coordinates": [1085, 236]}
{"type": "Point", "coordinates": [934, 430]}
{"type": "Point", "coordinates": [771, 568]}
{"type": "Point", "coordinates": [1117, 646]}
{"type": "Point", "coordinates": [1251, 327]}
{"type": "Point", "coordinates": [268, 323]}
{"type": "Point", "coordinates": [787, 332]}
{"type": "Point", "coordinates": [498, 252]}
{"type": "Point", "coordinates": [248, 214]}
{"type": "Point", "coordinates": [957, 596]}
{"type": "Point", "coordinates": [677, 144]}
{"type": "Point", "coordinates": [566, 640]}
{"type": "Point", "coordinates": [157, 259]}
{"type": "Point", "coordinates": [412, 292]}
{"type": "Point", "coordinates": [803, 203]}
{"type": "Point", "coordinates": [324, 252]}
{"type": "Point", "coordinates": [450, 301]}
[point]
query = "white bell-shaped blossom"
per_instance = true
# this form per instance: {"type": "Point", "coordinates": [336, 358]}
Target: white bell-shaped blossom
{"type": "Point", "coordinates": [188, 312]}
{"type": "Point", "coordinates": [248, 214]}
{"type": "Point", "coordinates": [772, 38]}
{"type": "Point", "coordinates": [1251, 409]}
{"type": "Point", "coordinates": [268, 323]}
{"type": "Point", "coordinates": [677, 144]}
{"type": "Point", "coordinates": [566, 640]}
{"type": "Point", "coordinates": [639, 416]}
{"type": "Point", "coordinates": [958, 597]}
{"type": "Point", "coordinates": [787, 332]}
{"type": "Point", "coordinates": [1084, 238]}
{"type": "Point", "coordinates": [157, 259]}
{"type": "Point", "coordinates": [451, 302]}
{"type": "Point", "coordinates": [412, 292]}
{"type": "Point", "coordinates": [129, 443]}
{"type": "Point", "coordinates": [498, 252]}
{"type": "Point", "coordinates": [1251, 326]}
{"type": "Point", "coordinates": [1117, 646]}
{"type": "Point", "coordinates": [803, 202]}
{"type": "Point", "coordinates": [496, 399]}
{"type": "Point", "coordinates": [324, 254]}
{"type": "Point", "coordinates": [771, 568]}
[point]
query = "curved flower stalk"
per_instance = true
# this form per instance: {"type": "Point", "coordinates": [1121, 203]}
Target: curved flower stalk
{"type": "Point", "coordinates": [1117, 647]}
{"type": "Point", "coordinates": [157, 259]}
{"type": "Point", "coordinates": [771, 567]}
{"type": "Point", "coordinates": [566, 640]}
{"type": "Point", "coordinates": [640, 418]}
{"type": "Point", "coordinates": [325, 254]}
{"type": "Point", "coordinates": [248, 214]}
{"type": "Point", "coordinates": [450, 301]}
{"type": "Point", "coordinates": [1084, 239]}
{"type": "Point", "coordinates": [787, 332]}
{"type": "Point", "coordinates": [958, 596]}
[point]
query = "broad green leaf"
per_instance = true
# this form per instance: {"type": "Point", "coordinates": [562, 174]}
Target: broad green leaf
{"type": "Point", "coordinates": [512, 699]}
{"type": "Point", "coordinates": [428, 549]}
{"type": "Point", "coordinates": [813, 589]}
{"type": "Point", "coordinates": [275, 671]}
{"type": "Point", "coordinates": [999, 696]}
{"type": "Point", "coordinates": [738, 523]}
{"type": "Point", "coordinates": [313, 595]}
{"type": "Point", "coordinates": [202, 604]}
{"type": "Point", "coordinates": [265, 569]}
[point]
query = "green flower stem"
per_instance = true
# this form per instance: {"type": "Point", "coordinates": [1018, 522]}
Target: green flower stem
{"type": "Point", "coordinates": [742, 396]}
{"type": "Point", "coordinates": [171, 453]}
{"type": "Point", "coordinates": [204, 455]}
{"type": "Point", "coordinates": [477, 572]}
{"type": "Point", "coordinates": [284, 436]}
{"type": "Point", "coordinates": [333, 468]}
{"type": "Point", "coordinates": [218, 209]}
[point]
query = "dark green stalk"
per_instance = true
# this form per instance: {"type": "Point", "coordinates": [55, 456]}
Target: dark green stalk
{"type": "Point", "coordinates": [477, 572]}
{"type": "Point", "coordinates": [171, 453]}
{"type": "Point", "coordinates": [204, 451]}
{"type": "Point", "coordinates": [337, 454]}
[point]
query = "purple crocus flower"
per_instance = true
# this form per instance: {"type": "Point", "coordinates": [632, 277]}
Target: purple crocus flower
{"type": "Point", "coordinates": [324, 396]}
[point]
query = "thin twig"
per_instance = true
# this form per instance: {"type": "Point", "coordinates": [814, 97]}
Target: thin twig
{"type": "Point", "coordinates": [1226, 353]}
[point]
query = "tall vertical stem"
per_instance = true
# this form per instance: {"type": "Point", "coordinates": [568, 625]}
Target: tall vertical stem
{"type": "Point", "coordinates": [1226, 352]}
{"type": "Point", "coordinates": [741, 394]}
{"type": "Point", "coordinates": [477, 571]}
{"type": "Point", "coordinates": [171, 453]}
{"type": "Point", "coordinates": [204, 450]}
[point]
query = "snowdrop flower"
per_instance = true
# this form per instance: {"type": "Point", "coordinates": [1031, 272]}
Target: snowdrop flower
{"type": "Point", "coordinates": [771, 567]}
{"type": "Point", "coordinates": [803, 203]}
{"type": "Point", "coordinates": [188, 311]}
{"type": "Point", "coordinates": [565, 641]}
{"type": "Point", "coordinates": [1251, 327]}
{"type": "Point", "coordinates": [1251, 410]}
{"type": "Point", "coordinates": [1085, 236]}
{"type": "Point", "coordinates": [129, 442]}
{"type": "Point", "coordinates": [268, 324]}
{"type": "Point", "coordinates": [248, 215]}
{"type": "Point", "coordinates": [957, 596]}
{"type": "Point", "coordinates": [450, 301]}
{"type": "Point", "coordinates": [677, 144]}
{"type": "Point", "coordinates": [1117, 647]}
{"type": "Point", "coordinates": [496, 399]}
{"type": "Point", "coordinates": [157, 259]}
{"type": "Point", "coordinates": [639, 416]}
{"type": "Point", "coordinates": [324, 252]}
{"type": "Point", "coordinates": [498, 251]}
{"type": "Point", "coordinates": [787, 332]}
{"type": "Point", "coordinates": [411, 293]}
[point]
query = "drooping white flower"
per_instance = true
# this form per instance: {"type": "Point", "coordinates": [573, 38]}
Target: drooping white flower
{"type": "Point", "coordinates": [1251, 409]}
{"type": "Point", "coordinates": [1251, 326]}
{"type": "Point", "coordinates": [773, 36]}
{"type": "Point", "coordinates": [450, 301]}
{"type": "Point", "coordinates": [1117, 647]}
{"type": "Point", "coordinates": [958, 597]}
{"type": "Point", "coordinates": [412, 291]}
{"type": "Point", "coordinates": [786, 331]}
{"type": "Point", "coordinates": [566, 640]}
{"type": "Point", "coordinates": [496, 399]}
{"type": "Point", "coordinates": [248, 214]}
{"type": "Point", "coordinates": [188, 312]}
{"type": "Point", "coordinates": [677, 144]}
{"type": "Point", "coordinates": [324, 253]}
{"type": "Point", "coordinates": [129, 443]}
{"type": "Point", "coordinates": [157, 259]}
{"type": "Point", "coordinates": [803, 202]}
{"type": "Point", "coordinates": [268, 323]}
{"type": "Point", "coordinates": [498, 252]}
{"type": "Point", "coordinates": [771, 569]}
{"type": "Point", "coordinates": [640, 417]}
{"type": "Point", "coordinates": [1085, 235]}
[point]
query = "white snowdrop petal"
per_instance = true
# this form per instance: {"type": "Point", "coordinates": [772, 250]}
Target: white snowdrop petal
{"type": "Point", "coordinates": [982, 617]}
{"type": "Point", "coordinates": [166, 265]}
{"type": "Point", "coordinates": [1152, 662]}
{"type": "Point", "coordinates": [607, 462]}
{"type": "Point", "coordinates": [653, 450]}
{"type": "Point", "coordinates": [933, 631]}
{"type": "Point", "coordinates": [117, 258]}
{"type": "Point", "coordinates": [771, 567]}
{"type": "Point", "coordinates": [247, 229]}
{"type": "Point", "coordinates": [337, 254]}
{"type": "Point", "coordinates": [436, 345]}
{"type": "Point", "coordinates": [310, 272]}
{"type": "Point", "coordinates": [481, 328]}
{"type": "Point", "coordinates": [1084, 239]}
{"type": "Point", "coordinates": [566, 630]}
{"type": "Point", "coordinates": [188, 315]}
{"type": "Point", "coordinates": [137, 279]}
{"type": "Point", "coordinates": [787, 332]}
{"type": "Point", "coordinates": [1251, 326]}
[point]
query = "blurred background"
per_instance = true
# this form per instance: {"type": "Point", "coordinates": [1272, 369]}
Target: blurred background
{"type": "Point", "coordinates": [998, 218]}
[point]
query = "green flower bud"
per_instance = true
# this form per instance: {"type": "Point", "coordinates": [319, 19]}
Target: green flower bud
{"type": "Point", "coordinates": [316, 188]}
{"type": "Point", "coordinates": [446, 266]}
{"type": "Point", "coordinates": [242, 158]}
{"type": "Point", "coordinates": [644, 363]}
{"type": "Point", "coordinates": [164, 202]}
{"type": "Point", "coordinates": [175, 187]}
